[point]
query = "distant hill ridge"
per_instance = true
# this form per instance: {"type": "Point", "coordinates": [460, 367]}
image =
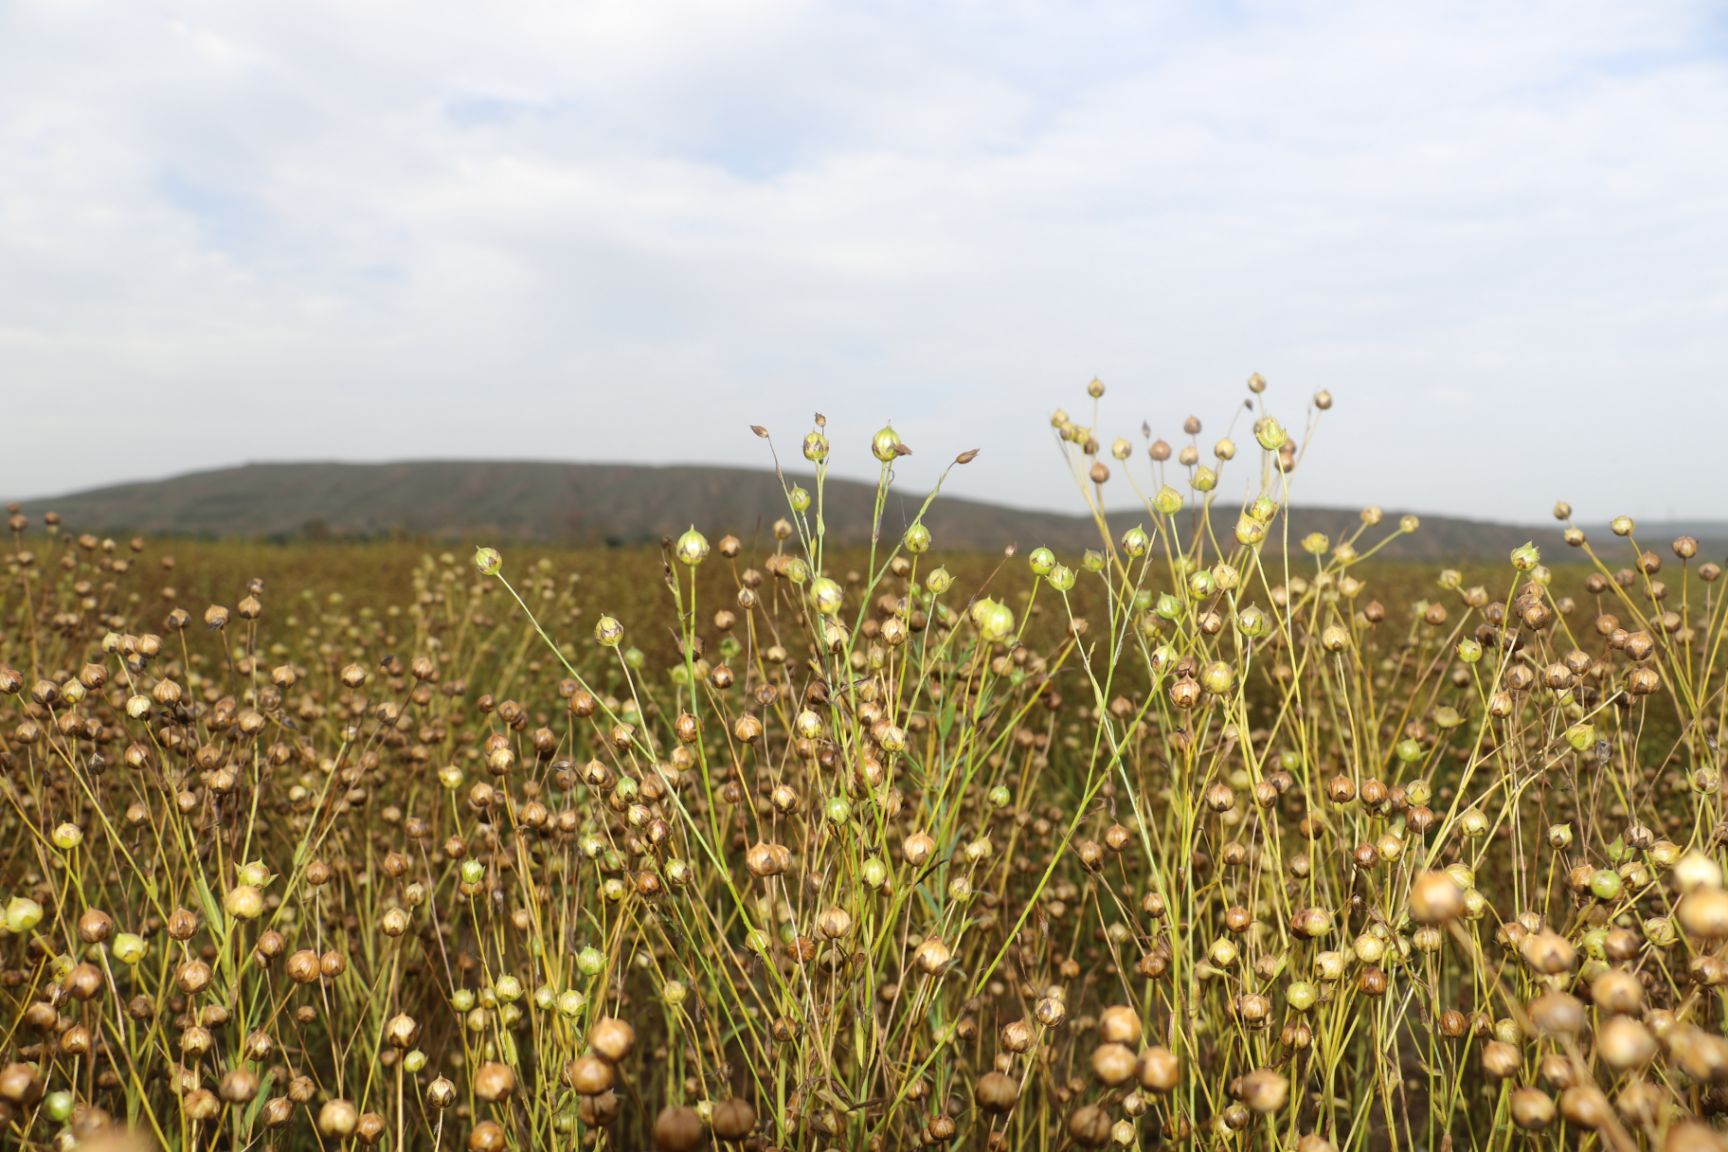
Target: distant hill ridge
{"type": "Point", "coordinates": [624, 504]}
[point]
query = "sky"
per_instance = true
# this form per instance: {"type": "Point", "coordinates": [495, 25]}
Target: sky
{"type": "Point", "coordinates": [629, 229]}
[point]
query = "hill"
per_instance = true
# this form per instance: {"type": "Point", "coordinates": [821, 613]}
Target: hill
{"type": "Point", "coordinates": [624, 504]}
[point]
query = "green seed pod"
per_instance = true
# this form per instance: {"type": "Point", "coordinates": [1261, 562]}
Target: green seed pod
{"type": "Point", "coordinates": [489, 561]}
{"type": "Point", "coordinates": [1217, 678]}
{"type": "Point", "coordinates": [22, 914]}
{"type": "Point", "coordinates": [243, 902]}
{"type": "Point", "coordinates": [994, 620]}
{"type": "Point", "coordinates": [692, 548]}
{"type": "Point", "coordinates": [826, 596]}
{"type": "Point", "coordinates": [886, 445]}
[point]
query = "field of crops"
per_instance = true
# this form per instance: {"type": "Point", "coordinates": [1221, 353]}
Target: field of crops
{"type": "Point", "coordinates": [1206, 838]}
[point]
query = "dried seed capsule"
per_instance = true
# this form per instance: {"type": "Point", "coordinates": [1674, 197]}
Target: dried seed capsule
{"type": "Point", "coordinates": [996, 1093]}
{"type": "Point", "coordinates": [733, 1120]}
{"type": "Point", "coordinates": [1158, 1070]}
{"type": "Point", "coordinates": [611, 1039]}
{"type": "Point", "coordinates": [677, 1129]}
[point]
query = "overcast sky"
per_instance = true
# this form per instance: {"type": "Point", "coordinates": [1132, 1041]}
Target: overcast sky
{"type": "Point", "coordinates": [1498, 233]}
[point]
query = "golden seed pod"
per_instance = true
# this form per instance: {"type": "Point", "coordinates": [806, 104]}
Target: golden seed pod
{"type": "Point", "coordinates": [1264, 1091]}
{"type": "Point", "coordinates": [1500, 1061]}
{"type": "Point", "coordinates": [401, 1031]}
{"type": "Point", "coordinates": [1158, 1070]}
{"type": "Point", "coordinates": [337, 1119]}
{"type": "Point", "coordinates": [1703, 913]}
{"type": "Point", "coordinates": [1435, 898]}
{"type": "Point", "coordinates": [834, 923]}
{"type": "Point", "coordinates": [1623, 1043]}
{"type": "Point", "coordinates": [764, 859]}
{"type": "Point", "coordinates": [494, 1082]}
{"type": "Point", "coordinates": [1532, 1109]}
{"type": "Point", "coordinates": [932, 956]}
{"type": "Point", "coordinates": [918, 848]}
{"type": "Point", "coordinates": [1548, 952]}
{"type": "Point", "coordinates": [487, 1136]}
{"type": "Point", "coordinates": [1618, 991]}
{"type": "Point", "coordinates": [611, 1039]}
{"type": "Point", "coordinates": [1113, 1064]}
{"type": "Point", "coordinates": [1119, 1024]}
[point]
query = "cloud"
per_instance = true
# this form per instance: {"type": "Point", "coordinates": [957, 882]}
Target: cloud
{"type": "Point", "coordinates": [625, 231]}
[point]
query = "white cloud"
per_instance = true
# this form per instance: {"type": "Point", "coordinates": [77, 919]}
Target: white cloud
{"type": "Point", "coordinates": [626, 230]}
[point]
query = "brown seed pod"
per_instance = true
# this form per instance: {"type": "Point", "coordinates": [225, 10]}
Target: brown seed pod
{"type": "Point", "coordinates": [1618, 991]}
{"type": "Point", "coordinates": [441, 1093]}
{"type": "Point", "coordinates": [589, 1075]}
{"type": "Point", "coordinates": [677, 1129]}
{"type": "Point", "coordinates": [733, 1120]}
{"type": "Point", "coordinates": [1089, 1125]}
{"type": "Point", "coordinates": [996, 1093]}
{"type": "Point", "coordinates": [20, 1085]}
{"type": "Point", "coordinates": [1264, 1091]}
{"type": "Point", "coordinates": [1557, 1014]}
{"type": "Point", "coordinates": [401, 1031]}
{"type": "Point", "coordinates": [239, 1086]}
{"type": "Point", "coordinates": [1586, 1106]}
{"type": "Point", "coordinates": [1532, 1109]}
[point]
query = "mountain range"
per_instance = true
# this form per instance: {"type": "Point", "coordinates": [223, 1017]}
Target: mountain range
{"type": "Point", "coordinates": [619, 505]}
